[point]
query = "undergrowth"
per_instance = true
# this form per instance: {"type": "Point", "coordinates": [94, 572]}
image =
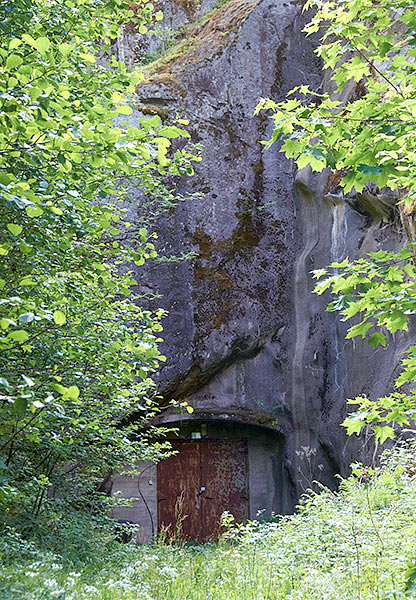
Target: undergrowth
{"type": "Point", "coordinates": [358, 543]}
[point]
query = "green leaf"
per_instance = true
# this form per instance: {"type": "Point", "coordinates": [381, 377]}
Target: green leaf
{"type": "Point", "coordinates": [56, 210]}
{"type": "Point", "coordinates": [13, 60]}
{"type": "Point", "coordinates": [383, 432]}
{"type": "Point", "coordinates": [65, 49]}
{"type": "Point", "coordinates": [59, 317]}
{"type": "Point", "coordinates": [59, 388]}
{"type": "Point", "coordinates": [410, 578]}
{"type": "Point", "coordinates": [368, 170]}
{"type": "Point", "coordinates": [124, 110]}
{"type": "Point", "coordinates": [149, 124]}
{"type": "Point", "coordinates": [409, 374]}
{"type": "Point", "coordinates": [353, 425]}
{"type": "Point", "coordinates": [27, 281]}
{"type": "Point", "coordinates": [318, 273]}
{"type": "Point", "coordinates": [42, 44]}
{"type": "Point", "coordinates": [34, 93]}
{"type": "Point", "coordinates": [359, 329]}
{"type": "Point", "coordinates": [20, 404]}
{"type": "Point", "coordinates": [14, 228]}
{"type": "Point", "coordinates": [20, 335]}
{"type": "Point", "coordinates": [173, 132]}
{"type": "Point", "coordinates": [5, 323]}
{"type": "Point", "coordinates": [25, 248]}
{"type": "Point", "coordinates": [377, 339]}
{"type": "Point", "coordinates": [14, 43]}
{"type": "Point", "coordinates": [340, 265]}
{"type": "Point", "coordinates": [34, 211]}
{"type": "Point", "coordinates": [395, 320]}
{"type": "Point", "coordinates": [88, 57]}
{"type": "Point", "coordinates": [26, 37]}
{"type": "Point", "coordinates": [72, 392]}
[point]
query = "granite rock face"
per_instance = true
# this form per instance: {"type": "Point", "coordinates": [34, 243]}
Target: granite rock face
{"type": "Point", "coordinates": [245, 337]}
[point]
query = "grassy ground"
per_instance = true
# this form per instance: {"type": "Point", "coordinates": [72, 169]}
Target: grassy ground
{"type": "Point", "coordinates": [359, 544]}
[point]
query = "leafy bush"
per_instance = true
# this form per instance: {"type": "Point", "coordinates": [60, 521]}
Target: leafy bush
{"type": "Point", "coordinates": [77, 348]}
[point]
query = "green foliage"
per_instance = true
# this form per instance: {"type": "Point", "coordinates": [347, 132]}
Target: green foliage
{"type": "Point", "coordinates": [77, 349]}
{"type": "Point", "coordinates": [378, 294]}
{"type": "Point", "coordinates": [367, 135]}
{"type": "Point", "coordinates": [357, 543]}
{"type": "Point", "coordinates": [371, 138]}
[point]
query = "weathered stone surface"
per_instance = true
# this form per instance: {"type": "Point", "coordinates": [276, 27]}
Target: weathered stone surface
{"type": "Point", "coordinates": [245, 337]}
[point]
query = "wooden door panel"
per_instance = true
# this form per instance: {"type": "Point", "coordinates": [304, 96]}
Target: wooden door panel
{"type": "Point", "coordinates": [221, 467]}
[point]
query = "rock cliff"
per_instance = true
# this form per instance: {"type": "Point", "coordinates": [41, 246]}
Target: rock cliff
{"type": "Point", "coordinates": [246, 339]}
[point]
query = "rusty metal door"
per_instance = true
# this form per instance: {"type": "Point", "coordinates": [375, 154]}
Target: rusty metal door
{"type": "Point", "coordinates": [178, 484]}
{"type": "Point", "coordinates": [198, 484]}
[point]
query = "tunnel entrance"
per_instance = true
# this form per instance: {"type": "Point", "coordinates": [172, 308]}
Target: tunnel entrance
{"type": "Point", "coordinates": [241, 466]}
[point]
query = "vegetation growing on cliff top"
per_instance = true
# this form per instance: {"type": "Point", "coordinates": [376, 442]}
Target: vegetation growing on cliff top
{"type": "Point", "coordinates": [201, 41]}
{"type": "Point", "coordinates": [367, 136]}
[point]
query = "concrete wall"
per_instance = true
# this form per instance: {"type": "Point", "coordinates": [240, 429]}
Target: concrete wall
{"type": "Point", "coordinates": [137, 512]}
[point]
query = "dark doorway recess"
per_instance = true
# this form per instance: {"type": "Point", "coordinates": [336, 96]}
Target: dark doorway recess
{"type": "Point", "coordinates": [205, 478]}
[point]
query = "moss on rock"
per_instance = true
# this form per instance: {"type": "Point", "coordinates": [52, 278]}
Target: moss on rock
{"type": "Point", "coordinates": [202, 42]}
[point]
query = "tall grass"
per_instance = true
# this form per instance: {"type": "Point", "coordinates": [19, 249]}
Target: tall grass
{"type": "Point", "coordinates": [357, 544]}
